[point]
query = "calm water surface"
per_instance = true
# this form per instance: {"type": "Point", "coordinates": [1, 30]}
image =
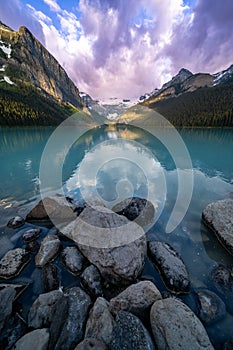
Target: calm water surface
{"type": "Point", "coordinates": [117, 155]}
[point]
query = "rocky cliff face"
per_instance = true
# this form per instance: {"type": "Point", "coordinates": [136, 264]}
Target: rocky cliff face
{"type": "Point", "coordinates": [23, 58]}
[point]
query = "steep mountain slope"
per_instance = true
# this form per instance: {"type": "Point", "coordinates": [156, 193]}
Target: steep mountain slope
{"type": "Point", "coordinates": [34, 88]}
{"type": "Point", "coordinates": [196, 99]}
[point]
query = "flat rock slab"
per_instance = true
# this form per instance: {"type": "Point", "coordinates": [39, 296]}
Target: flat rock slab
{"type": "Point", "coordinates": [37, 340]}
{"type": "Point", "coordinates": [137, 299]}
{"type": "Point", "coordinates": [48, 250]}
{"type": "Point", "coordinates": [129, 333]}
{"type": "Point", "coordinates": [218, 216]}
{"type": "Point", "coordinates": [170, 266]}
{"type": "Point", "coordinates": [100, 322]}
{"type": "Point", "coordinates": [13, 262]}
{"type": "Point", "coordinates": [176, 327]}
{"type": "Point", "coordinates": [111, 242]}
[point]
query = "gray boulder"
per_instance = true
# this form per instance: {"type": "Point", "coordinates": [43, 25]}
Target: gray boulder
{"type": "Point", "coordinates": [129, 333]}
{"type": "Point", "coordinates": [48, 250]}
{"type": "Point", "coordinates": [36, 340]}
{"type": "Point", "coordinates": [42, 310]}
{"type": "Point", "coordinates": [137, 299]}
{"type": "Point", "coordinates": [73, 259]}
{"type": "Point", "coordinates": [13, 262]}
{"type": "Point", "coordinates": [176, 327]}
{"type": "Point", "coordinates": [110, 242]}
{"type": "Point", "coordinates": [171, 266]}
{"type": "Point", "coordinates": [73, 329]}
{"type": "Point", "coordinates": [218, 217]}
{"type": "Point", "coordinates": [92, 281]}
{"type": "Point", "coordinates": [100, 322]}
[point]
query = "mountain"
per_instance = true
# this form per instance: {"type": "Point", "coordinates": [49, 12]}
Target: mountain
{"type": "Point", "coordinates": [34, 88]}
{"type": "Point", "coordinates": [195, 99]}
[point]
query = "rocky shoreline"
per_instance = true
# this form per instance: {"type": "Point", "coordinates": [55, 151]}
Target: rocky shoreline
{"type": "Point", "coordinates": [108, 304]}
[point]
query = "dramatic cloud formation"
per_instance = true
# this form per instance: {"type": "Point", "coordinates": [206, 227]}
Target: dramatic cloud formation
{"type": "Point", "coordinates": [124, 49]}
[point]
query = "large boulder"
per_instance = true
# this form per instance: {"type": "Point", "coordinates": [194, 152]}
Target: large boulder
{"type": "Point", "coordinates": [176, 327]}
{"type": "Point", "coordinates": [100, 322]}
{"type": "Point", "coordinates": [170, 265]}
{"type": "Point", "coordinates": [137, 299]}
{"type": "Point", "coordinates": [218, 217]}
{"type": "Point", "coordinates": [37, 340]}
{"type": "Point", "coordinates": [129, 333]}
{"type": "Point", "coordinates": [111, 242]}
{"type": "Point", "coordinates": [42, 310]}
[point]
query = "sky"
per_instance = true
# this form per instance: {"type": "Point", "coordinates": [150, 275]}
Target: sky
{"type": "Point", "coordinates": [126, 48]}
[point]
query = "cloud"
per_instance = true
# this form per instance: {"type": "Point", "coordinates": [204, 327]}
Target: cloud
{"type": "Point", "coordinates": [53, 5]}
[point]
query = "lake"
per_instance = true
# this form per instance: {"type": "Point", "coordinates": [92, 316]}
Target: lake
{"type": "Point", "coordinates": [113, 162]}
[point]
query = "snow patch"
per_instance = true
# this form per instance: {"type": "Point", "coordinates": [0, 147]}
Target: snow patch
{"type": "Point", "coordinates": [3, 68]}
{"type": "Point", "coordinates": [7, 80]}
{"type": "Point", "coordinates": [6, 49]}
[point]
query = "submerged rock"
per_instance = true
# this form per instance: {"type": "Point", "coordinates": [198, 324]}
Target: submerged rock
{"type": "Point", "coordinates": [32, 247]}
{"type": "Point", "coordinates": [37, 340]}
{"type": "Point", "coordinates": [176, 327]}
{"type": "Point", "coordinates": [16, 222]}
{"type": "Point", "coordinates": [171, 266]}
{"type": "Point", "coordinates": [91, 344]}
{"type": "Point", "coordinates": [42, 310]}
{"type": "Point", "coordinates": [7, 296]}
{"type": "Point", "coordinates": [129, 333]}
{"type": "Point", "coordinates": [211, 307]}
{"type": "Point", "coordinates": [31, 235]}
{"type": "Point", "coordinates": [110, 242]}
{"type": "Point", "coordinates": [100, 322]}
{"type": "Point", "coordinates": [73, 329]}
{"type": "Point", "coordinates": [135, 208]}
{"type": "Point", "coordinates": [13, 262]}
{"type": "Point", "coordinates": [73, 260]}
{"type": "Point", "coordinates": [50, 277]}
{"type": "Point", "coordinates": [55, 208]}
{"type": "Point", "coordinates": [137, 299]}
{"type": "Point", "coordinates": [48, 250]}
{"type": "Point", "coordinates": [92, 281]}
{"type": "Point", "coordinates": [218, 217]}
{"type": "Point", "coordinates": [221, 276]}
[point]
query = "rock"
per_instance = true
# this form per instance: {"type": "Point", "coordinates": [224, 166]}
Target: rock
{"type": "Point", "coordinates": [14, 330]}
{"type": "Point", "coordinates": [92, 281]}
{"type": "Point", "coordinates": [36, 340]}
{"type": "Point", "coordinates": [129, 333]}
{"type": "Point", "coordinates": [211, 307]}
{"type": "Point", "coordinates": [136, 299]}
{"type": "Point", "coordinates": [13, 262]}
{"type": "Point", "coordinates": [32, 247]}
{"type": "Point", "coordinates": [73, 260]}
{"type": "Point", "coordinates": [100, 322]}
{"type": "Point", "coordinates": [16, 222]}
{"type": "Point", "coordinates": [218, 217]}
{"type": "Point", "coordinates": [221, 276]}
{"type": "Point", "coordinates": [19, 288]}
{"type": "Point", "coordinates": [7, 296]}
{"type": "Point", "coordinates": [176, 327]}
{"type": "Point", "coordinates": [55, 208]}
{"type": "Point", "coordinates": [50, 277]}
{"type": "Point", "coordinates": [42, 310]}
{"type": "Point", "coordinates": [171, 266]}
{"type": "Point", "coordinates": [73, 330]}
{"type": "Point", "coordinates": [139, 209]}
{"type": "Point", "coordinates": [31, 235]}
{"type": "Point", "coordinates": [228, 345]}
{"type": "Point", "coordinates": [48, 250]}
{"type": "Point", "coordinates": [110, 242]}
{"type": "Point", "coordinates": [58, 320]}
{"type": "Point", "coordinates": [91, 344]}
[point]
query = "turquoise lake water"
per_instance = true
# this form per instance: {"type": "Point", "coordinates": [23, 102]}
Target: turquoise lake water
{"type": "Point", "coordinates": [116, 162]}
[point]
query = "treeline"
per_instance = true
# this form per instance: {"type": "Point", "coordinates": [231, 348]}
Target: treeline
{"type": "Point", "coordinates": [24, 105]}
{"type": "Point", "coordinates": [205, 107]}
